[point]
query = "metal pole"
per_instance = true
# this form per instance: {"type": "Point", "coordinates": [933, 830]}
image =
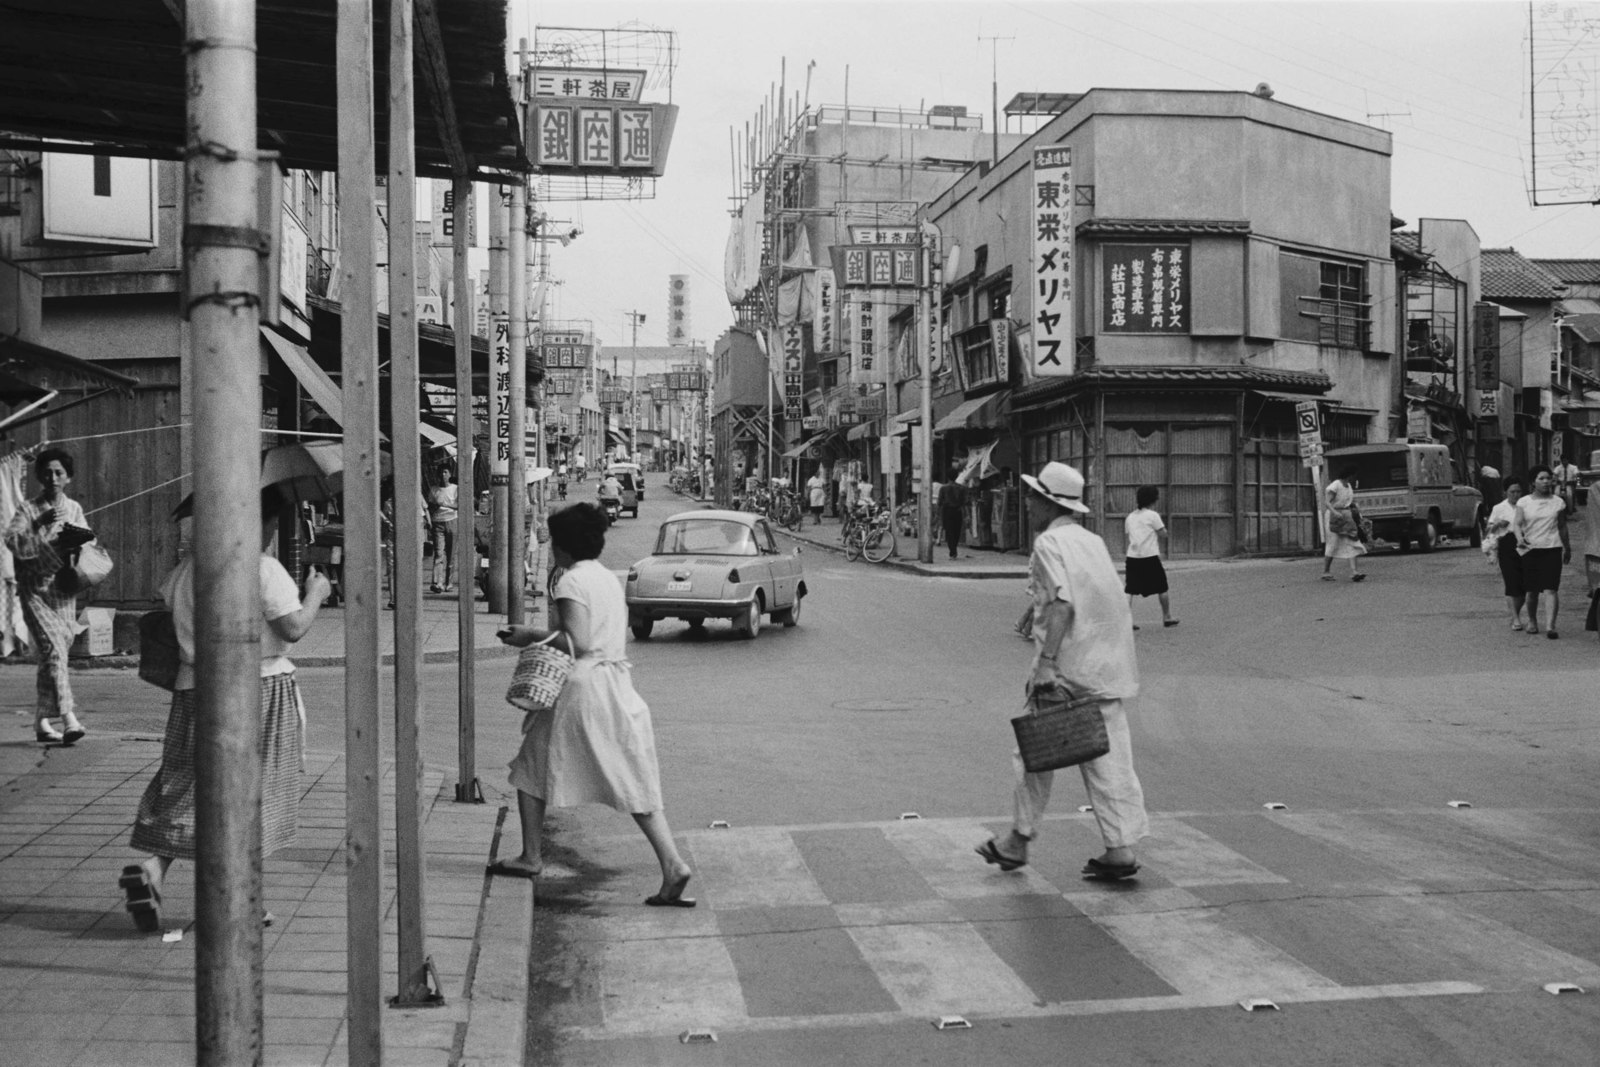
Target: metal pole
{"type": "Point", "coordinates": [466, 562]}
{"type": "Point", "coordinates": [406, 591]}
{"type": "Point", "coordinates": [517, 490]}
{"type": "Point", "coordinates": [223, 308]}
{"type": "Point", "coordinates": [498, 395]}
{"type": "Point", "coordinates": [925, 312]}
{"type": "Point", "coordinates": [359, 362]}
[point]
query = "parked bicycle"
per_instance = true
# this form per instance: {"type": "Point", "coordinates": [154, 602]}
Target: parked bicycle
{"type": "Point", "coordinates": [868, 531]}
{"type": "Point", "coordinates": [905, 519]}
{"type": "Point", "coordinates": [783, 507]}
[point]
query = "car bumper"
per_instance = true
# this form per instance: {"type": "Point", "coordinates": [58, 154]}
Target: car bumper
{"type": "Point", "coordinates": [688, 610]}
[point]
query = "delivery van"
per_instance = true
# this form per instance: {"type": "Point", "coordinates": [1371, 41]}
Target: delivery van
{"type": "Point", "coordinates": [1409, 492]}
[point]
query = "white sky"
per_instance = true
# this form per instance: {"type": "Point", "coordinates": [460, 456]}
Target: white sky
{"type": "Point", "coordinates": [1452, 76]}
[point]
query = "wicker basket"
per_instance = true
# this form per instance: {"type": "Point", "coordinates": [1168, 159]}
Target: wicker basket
{"type": "Point", "coordinates": [542, 671]}
{"type": "Point", "coordinates": [1060, 732]}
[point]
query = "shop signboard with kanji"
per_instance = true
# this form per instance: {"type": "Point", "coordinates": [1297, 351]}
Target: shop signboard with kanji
{"type": "Point", "coordinates": [883, 235]}
{"type": "Point", "coordinates": [560, 384]}
{"type": "Point", "coordinates": [1486, 359]}
{"type": "Point", "coordinates": [500, 391]}
{"type": "Point", "coordinates": [872, 266]}
{"type": "Point", "coordinates": [686, 381]}
{"type": "Point", "coordinates": [793, 341]}
{"type": "Point", "coordinates": [1145, 288]}
{"type": "Point", "coordinates": [590, 83]}
{"type": "Point", "coordinates": [565, 350]}
{"type": "Point", "coordinates": [569, 136]}
{"type": "Point", "coordinates": [1052, 297]}
{"type": "Point", "coordinates": [446, 218]}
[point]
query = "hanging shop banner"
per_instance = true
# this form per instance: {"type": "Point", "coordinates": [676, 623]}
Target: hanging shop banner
{"type": "Point", "coordinates": [1146, 288]}
{"type": "Point", "coordinates": [594, 139]}
{"type": "Point", "coordinates": [825, 304]}
{"type": "Point", "coordinates": [1486, 347]}
{"type": "Point", "coordinates": [1000, 338]}
{"type": "Point", "coordinates": [445, 215]}
{"type": "Point", "coordinates": [500, 392]}
{"type": "Point", "coordinates": [863, 338]}
{"type": "Point", "coordinates": [565, 350]}
{"type": "Point", "coordinates": [678, 319]}
{"type": "Point", "coordinates": [560, 384]}
{"type": "Point", "coordinates": [1052, 261]}
{"type": "Point", "coordinates": [794, 363]}
{"type": "Point", "coordinates": [686, 381]}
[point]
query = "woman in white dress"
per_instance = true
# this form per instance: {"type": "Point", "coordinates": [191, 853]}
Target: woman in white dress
{"type": "Point", "coordinates": [598, 745]}
{"type": "Point", "coordinates": [1339, 502]}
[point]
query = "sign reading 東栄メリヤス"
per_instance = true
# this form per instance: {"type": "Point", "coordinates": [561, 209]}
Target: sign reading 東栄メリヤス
{"type": "Point", "coordinates": [1052, 261]}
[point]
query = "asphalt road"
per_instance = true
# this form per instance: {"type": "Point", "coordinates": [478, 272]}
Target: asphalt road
{"type": "Point", "coordinates": [1389, 926]}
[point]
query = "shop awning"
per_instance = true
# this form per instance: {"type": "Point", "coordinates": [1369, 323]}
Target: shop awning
{"type": "Point", "coordinates": [979, 413]}
{"type": "Point", "coordinates": [905, 418]}
{"type": "Point", "coordinates": [321, 388]}
{"type": "Point", "coordinates": [863, 429]}
{"type": "Point", "coordinates": [796, 451]}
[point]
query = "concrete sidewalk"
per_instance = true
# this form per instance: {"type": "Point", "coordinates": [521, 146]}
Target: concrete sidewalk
{"type": "Point", "coordinates": [82, 986]}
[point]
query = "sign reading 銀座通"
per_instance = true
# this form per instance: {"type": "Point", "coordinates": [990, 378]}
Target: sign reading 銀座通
{"type": "Point", "coordinates": [875, 266]}
{"type": "Point", "coordinates": [1052, 262]}
{"type": "Point", "coordinates": [588, 137]}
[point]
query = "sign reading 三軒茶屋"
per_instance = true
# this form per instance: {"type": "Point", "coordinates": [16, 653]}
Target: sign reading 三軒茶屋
{"type": "Point", "coordinates": [590, 83]}
{"type": "Point", "coordinates": [1052, 261]}
{"type": "Point", "coordinates": [1146, 288]}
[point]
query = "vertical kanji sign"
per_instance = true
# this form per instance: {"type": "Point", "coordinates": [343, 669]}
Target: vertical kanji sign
{"type": "Point", "coordinates": [794, 361]}
{"type": "Point", "coordinates": [500, 393]}
{"type": "Point", "coordinates": [1052, 261]}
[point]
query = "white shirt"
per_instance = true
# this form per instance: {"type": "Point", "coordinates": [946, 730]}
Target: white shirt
{"type": "Point", "coordinates": [818, 489]}
{"type": "Point", "coordinates": [1538, 521]}
{"type": "Point", "coordinates": [279, 597]}
{"type": "Point", "coordinates": [1096, 658]}
{"type": "Point", "coordinates": [1142, 527]}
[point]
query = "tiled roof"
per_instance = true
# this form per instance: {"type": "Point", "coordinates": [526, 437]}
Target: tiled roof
{"type": "Point", "coordinates": [1181, 377]}
{"type": "Point", "coordinates": [1508, 275]}
{"type": "Point", "coordinates": [1161, 227]}
{"type": "Point", "coordinates": [1585, 326]}
{"type": "Point", "coordinates": [1409, 241]}
{"type": "Point", "coordinates": [1573, 271]}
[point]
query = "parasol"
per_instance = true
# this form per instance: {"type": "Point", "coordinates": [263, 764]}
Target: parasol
{"type": "Point", "coordinates": [538, 474]}
{"type": "Point", "coordinates": [305, 471]}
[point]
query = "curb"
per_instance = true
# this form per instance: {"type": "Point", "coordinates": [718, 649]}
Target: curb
{"type": "Point", "coordinates": [130, 662]}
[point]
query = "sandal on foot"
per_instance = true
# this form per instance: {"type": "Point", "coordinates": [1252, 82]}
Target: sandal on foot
{"type": "Point", "coordinates": [1551, 634]}
{"type": "Point", "coordinates": [992, 854]}
{"type": "Point", "coordinates": [1110, 872]}
{"type": "Point", "coordinates": [47, 737]}
{"type": "Point", "coordinates": [502, 869]}
{"type": "Point", "coordinates": [672, 896]}
{"type": "Point", "coordinates": [1516, 624]}
{"type": "Point", "coordinates": [1169, 622]}
{"type": "Point", "coordinates": [74, 735]}
{"type": "Point", "coordinates": [143, 899]}
{"type": "Point", "coordinates": [1358, 577]}
{"type": "Point", "coordinates": [1329, 578]}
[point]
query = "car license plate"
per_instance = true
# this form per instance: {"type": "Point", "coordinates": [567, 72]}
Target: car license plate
{"type": "Point", "coordinates": [678, 587]}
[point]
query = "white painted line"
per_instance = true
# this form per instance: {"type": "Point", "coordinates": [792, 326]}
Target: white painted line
{"type": "Point", "coordinates": [941, 850]}
{"type": "Point", "coordinates": [667, 986]}
{"type": "Point", "coordinates": [1195, 952]}
{"type": "Point", "coordinates": [754, 867]}
{"type": "Point", "coordinates": [939, 969]}
{"type": "Point", "coordinates": [1188, 857]}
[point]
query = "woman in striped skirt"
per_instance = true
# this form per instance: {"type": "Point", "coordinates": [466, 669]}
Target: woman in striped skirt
{"type": "Point", "coordinates": [166, 820]}
{"type": "Point", "coordinates": [34, 537]}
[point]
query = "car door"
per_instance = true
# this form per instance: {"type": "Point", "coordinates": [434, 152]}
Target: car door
{"type": "Point", "coordinates": [780, 567]}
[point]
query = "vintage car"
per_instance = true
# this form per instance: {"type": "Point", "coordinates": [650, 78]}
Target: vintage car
{"type": "Point", "coordinates": [715, 565]}
{"type": "Point", "coordinates": [1408, 491]}
{"type": "Point", "coordinates": [620, 468]}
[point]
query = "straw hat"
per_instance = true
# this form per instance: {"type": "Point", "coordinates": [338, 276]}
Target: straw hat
{"type": "Point", "coordinates": [1061, 484]}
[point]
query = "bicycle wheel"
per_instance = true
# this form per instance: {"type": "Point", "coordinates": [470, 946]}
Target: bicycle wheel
{"type": "Point", "coordinates": [791, 516]}
{"type": "Point", "coordinates": [880, 545]}
{"type": "Point", "coordinates": [853, 544]}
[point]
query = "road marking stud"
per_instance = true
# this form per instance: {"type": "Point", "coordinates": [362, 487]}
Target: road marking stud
{"type": "Point", "coordinates": [697, 1037]}
{"type": "Point", "coordinates": [1562, 987]}
{"type": "Point", "coordinates": [1258, 1004]}
{"type": "Point", "coordinates": [951, 1022]}
{"type": "Point", "coordinates": [909, 815]}
{"type": "Point", "coordinates": [1458, 803]}
{"type": "Point", "coordinates": [175, 934]}
{"type": "Point", "coordinates": [1273, 805]}
{"type": "Point", "coordinates": [1085, 808]}
{"type": "Point", "coordinates": [718, 824]}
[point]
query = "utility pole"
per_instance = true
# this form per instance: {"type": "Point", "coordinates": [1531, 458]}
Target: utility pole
{"type": "Point", "coordinates": [994, 92]}
{"type": "Point", "coordinates": [635, 318]}
{"type": "Point", "coordinates": [517, 312]}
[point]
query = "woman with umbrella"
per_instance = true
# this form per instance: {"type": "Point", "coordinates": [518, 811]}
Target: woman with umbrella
{"type": "Point", "coordinates": [165, 825]}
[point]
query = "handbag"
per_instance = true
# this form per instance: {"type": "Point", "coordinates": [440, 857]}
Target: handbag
{"type": "Point", "coordinates": [541, 674]}
{"type": "Point", "coordinates": [158, 649]}
{"type": "Point", "coordinates": [89, 565]}
{"type": "Point", "coordinates": [1343, 524]}
{"type": "Point", "coordinates": [1592, 622]}
{"type": "Point", "coordinates": [1059, 731]}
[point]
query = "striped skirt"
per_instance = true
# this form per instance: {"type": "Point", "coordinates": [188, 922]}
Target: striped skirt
{"type": "Point", "coordinates": [165, 824]}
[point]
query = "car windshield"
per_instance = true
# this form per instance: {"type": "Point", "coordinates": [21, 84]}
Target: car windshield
{"type": "Point", "coordinates": [709, 537]}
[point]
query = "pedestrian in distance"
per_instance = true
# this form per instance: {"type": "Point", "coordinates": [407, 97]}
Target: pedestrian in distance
{"type": "Point", "coordinates": [816, 495]}
{"type": "Point", "coordinates": [443, 507]}
{"type": "Point", "coordinates": [952, 505]}
{"type": "Point", "coordinates": [1539, 522]}
{"type": "Point", "coordinates": [1145, 574]}
{"type": "Point", "coordinates": [1344, 530]}
{"type": "Point", "coordinates": [165, 824]}
{"type": "Point", "coordinates": [1500, 545]}
{"type": "Point", "coordinates": [43, 534]}
{"type": "Point", "coordinates": [597, 746]}
{"type": "Point", "coordinates": [1083, 638]}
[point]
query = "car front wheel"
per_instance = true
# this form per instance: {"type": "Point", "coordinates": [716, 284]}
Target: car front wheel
{"type": "Point", "coordinates": [748, 624]}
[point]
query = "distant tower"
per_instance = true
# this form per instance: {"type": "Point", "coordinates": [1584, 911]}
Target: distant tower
{"type": "Point", "coordinates": [678, 330]}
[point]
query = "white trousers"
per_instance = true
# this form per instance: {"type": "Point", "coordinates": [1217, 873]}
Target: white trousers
{"type": "Point", "coordinates": [1112, 784]}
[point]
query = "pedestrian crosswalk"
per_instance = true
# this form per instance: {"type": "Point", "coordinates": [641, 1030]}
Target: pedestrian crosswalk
{"type": "Point", "coordinates": [864, 924]}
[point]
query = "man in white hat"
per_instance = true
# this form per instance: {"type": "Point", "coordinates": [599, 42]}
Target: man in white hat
{"type": "Point", "coordinates": [1083, 639]}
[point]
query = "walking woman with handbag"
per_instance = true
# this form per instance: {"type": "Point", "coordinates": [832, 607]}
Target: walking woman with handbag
{"type": "Point", "coordinates": [42, 536]}
{"type": "Point", "coordinates": [1344, 529]}
{"type": "Point", "coordinates": [597, 744]}
{"type": "Point", "coordinates": [1083, 637]}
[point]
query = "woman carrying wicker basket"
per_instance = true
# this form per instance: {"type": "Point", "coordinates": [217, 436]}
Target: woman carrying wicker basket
{"type": "Point", "coordinates": [597, 745]}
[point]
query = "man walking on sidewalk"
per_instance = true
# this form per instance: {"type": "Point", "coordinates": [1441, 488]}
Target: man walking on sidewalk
{"type": "Point", "coordinates": [1083, 635]}
{"type": "Point", "coordinates": [952, 508]}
